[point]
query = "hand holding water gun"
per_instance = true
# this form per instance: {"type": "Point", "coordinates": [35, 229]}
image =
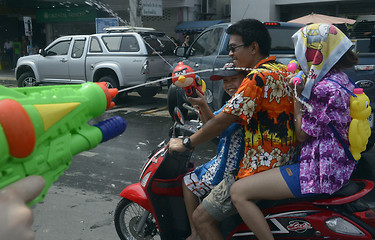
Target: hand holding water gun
{"type": "Point", "coordinates": [293, 66]}
{"type": "Point", "coordinates": [41, 128]}
{"type": "Point", "coordinates": [183, 76]}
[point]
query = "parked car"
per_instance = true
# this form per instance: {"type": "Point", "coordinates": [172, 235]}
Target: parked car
{"type": "Point", "coordinates": [123, 57]}
{"type": "Point", "coordinates": [209, 52]}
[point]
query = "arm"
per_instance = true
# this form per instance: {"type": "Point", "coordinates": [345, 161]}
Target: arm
{"type": "Point", "coordinates": [300, 134]}
{"type": "Point", "coordinates": [211, 129]}
{"type": "Point", "coordinates": [201, 102]}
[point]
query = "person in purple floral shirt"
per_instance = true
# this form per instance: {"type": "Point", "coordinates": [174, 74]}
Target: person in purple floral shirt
{"type": "Point", "coordinates": [322, 51]}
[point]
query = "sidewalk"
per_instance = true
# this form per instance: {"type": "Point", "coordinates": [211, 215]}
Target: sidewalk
{"type": "Point", "coordinates": [7, 77]}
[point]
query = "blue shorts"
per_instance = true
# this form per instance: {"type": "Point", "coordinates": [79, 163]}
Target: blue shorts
{"type": "Point", "coordinates": [290, 174]}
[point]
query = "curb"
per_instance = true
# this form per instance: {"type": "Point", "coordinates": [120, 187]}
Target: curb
{"type": "Point", "coordinates": [8, 81]}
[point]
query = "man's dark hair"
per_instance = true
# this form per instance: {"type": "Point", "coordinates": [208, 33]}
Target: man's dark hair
{"type": "Point", "coordinates": [252, 30]}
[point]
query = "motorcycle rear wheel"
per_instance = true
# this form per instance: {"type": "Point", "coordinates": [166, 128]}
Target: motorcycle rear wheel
{"type": "Point", "coordinates": [126, 218]}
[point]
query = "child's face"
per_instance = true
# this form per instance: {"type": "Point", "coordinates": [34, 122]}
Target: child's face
{"type": "Point", "coordinates": [231, 84]}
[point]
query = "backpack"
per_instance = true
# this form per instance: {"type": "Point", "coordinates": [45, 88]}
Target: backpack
{"type": "Point", "coordinates": [359, 128]}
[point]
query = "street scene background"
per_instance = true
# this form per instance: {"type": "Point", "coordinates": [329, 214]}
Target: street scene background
{"type": "Point", "coordinates": [81, 204]}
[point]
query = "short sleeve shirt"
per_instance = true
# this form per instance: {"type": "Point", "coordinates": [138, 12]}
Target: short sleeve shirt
{"type": "Point", "coordinates": [229, 154]}
{"type": "Point", "coordinates": [264, 104]}
{"type": "Point", "coordinates": [324, 165]}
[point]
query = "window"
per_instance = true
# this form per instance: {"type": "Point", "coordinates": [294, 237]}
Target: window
{"type": "Point", "coordinates": [60, 48]}
{"type": "Point", "coordinates": [129, 44]}
{"type": "Point", "coordinates": [95, 45]}
{"type": "Point", "coordinates": [282, 39]}
{"type": "Point", "coordinates": [207, 44]}
{"type": "Point", "coordinates": [159, 45]}
{"type": "Point", "coordinates": [78, 48]}
{"type": "Point", "coordinates": [112, 43]}
{"type": "Point", "coordinates": [121, 43]}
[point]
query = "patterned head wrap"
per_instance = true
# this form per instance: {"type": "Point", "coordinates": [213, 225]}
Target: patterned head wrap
{"type": "Point", "coordinates": [318, 47]}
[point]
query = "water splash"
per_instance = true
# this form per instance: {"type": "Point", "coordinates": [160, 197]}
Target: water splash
{"type": "Point", "coordinates": [105, 7]}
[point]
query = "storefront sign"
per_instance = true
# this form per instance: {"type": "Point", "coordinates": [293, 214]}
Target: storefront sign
{"type": "Point", "coordinates": [152, 8]}
{"type": "Point", "coordinates": [65, 15]}
{"type": "Point", "coordinates": [28, 26]}
{"type": "Point", "coordinates": [102, 23]}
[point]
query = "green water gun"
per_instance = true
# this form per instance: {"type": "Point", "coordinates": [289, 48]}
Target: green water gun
{"type": "Point", "coordinates": [42, 128]}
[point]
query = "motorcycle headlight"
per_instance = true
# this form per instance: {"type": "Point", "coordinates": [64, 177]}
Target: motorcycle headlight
{"type": "Point", "coordinates": [145, 179]}
{"type": "Point", "coordinates": [340, 225]}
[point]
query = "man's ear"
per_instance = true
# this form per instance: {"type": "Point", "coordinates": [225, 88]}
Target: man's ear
{"type": "Point", "coordinates": [254, 48]}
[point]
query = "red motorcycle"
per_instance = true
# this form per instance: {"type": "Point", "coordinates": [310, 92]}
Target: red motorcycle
{"type": "Point", "coordinates": [154, 208]}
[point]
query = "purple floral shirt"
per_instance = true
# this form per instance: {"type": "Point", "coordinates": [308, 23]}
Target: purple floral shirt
{"type": "Point", "coordinates": [325, 168]}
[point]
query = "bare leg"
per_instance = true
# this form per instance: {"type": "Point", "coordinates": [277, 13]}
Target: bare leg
{"type": "Point", "coordinates": [191, 203]}
{"type": "Point", "coordinates": [206, 225]}
{"type": "Point", "coordinates": [267, 185]}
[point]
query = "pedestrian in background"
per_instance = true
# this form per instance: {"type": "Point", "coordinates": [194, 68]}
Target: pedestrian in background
{"type": "Point", "coordinates": [186, 41]}
{"type": "Point", "coordinates": [8, 53]}
{"type": "Point", "coordinates": [16, 51]}
{"type": "Point", "coordinates": [24, 44]}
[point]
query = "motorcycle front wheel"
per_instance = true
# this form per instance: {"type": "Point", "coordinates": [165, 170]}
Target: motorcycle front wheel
{"type": "Point", "coordinates": [134, 222]}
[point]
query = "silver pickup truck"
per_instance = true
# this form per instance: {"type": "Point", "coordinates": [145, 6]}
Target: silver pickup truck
{"type": "Point", "coordinates": [123, 57]}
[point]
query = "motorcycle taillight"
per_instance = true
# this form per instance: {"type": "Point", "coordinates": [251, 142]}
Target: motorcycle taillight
{"type": "Point", "coordinates": [367, 216]}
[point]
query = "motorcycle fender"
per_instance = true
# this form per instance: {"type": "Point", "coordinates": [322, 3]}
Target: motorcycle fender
{"type": "Point", "coordinates": [136, 194]}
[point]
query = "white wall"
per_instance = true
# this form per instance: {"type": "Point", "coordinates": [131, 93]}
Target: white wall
{"type": "Point", "coordinates": [263, 10]}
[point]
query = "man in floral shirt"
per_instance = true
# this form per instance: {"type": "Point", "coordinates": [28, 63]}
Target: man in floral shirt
{"type": "Point", "coordinates": [263, 104]}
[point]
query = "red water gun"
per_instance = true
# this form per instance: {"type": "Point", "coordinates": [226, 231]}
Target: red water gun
{"type": "Point", "coordinates": [183, 76]}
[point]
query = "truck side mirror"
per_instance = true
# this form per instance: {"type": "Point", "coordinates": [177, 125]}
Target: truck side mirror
{"type": "Point", "coordinates": [42, 52]}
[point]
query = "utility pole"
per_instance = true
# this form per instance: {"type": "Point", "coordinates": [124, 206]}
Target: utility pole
{"type": "Point", "coordinates": [135, 10]}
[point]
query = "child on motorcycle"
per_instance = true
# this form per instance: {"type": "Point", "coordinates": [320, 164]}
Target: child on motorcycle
{"type": "Point", "coordinates": [322, 51]}
{"type": "Point", "coordinates": [198, 183]}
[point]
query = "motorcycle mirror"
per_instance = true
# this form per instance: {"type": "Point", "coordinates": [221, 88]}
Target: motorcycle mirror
{"type": "Point", "coordinates": [177, 116]}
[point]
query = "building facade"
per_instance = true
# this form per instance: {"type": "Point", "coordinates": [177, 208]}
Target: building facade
{"type": "Point", "coordinates": [285, 10]}
{"type": "Point", "coordinates": [53, 18]}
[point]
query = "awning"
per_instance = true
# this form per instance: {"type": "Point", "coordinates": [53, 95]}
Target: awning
{"type": "Point", "coordinates": [196, 26]}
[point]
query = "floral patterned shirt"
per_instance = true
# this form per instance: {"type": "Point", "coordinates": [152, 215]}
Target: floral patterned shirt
{"type": "Point", "coordinates": [229, 154]}
{"type": "Point", "coordinates": [264, 104]}
{"type": "Point", "coordinates": [325, 168]}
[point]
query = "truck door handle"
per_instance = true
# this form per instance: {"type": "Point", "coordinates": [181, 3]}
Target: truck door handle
{"type": "Point", "coordinates": [63, 60]}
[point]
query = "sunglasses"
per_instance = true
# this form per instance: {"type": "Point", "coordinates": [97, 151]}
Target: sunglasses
{"type": "Point", "coordinates": [233, 48]}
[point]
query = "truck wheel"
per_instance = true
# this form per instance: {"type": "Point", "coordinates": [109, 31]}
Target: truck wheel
{"type": "Point", "coordinates": [27, 79]}
{"type": "Point", "coordinates": [111, 82]}
{"type": "Point", "coordinates": [127, 216]}
{"type": "Point", "coordinates": [176, 97]}
{"type": "Point", "coordinates": [148, 92]}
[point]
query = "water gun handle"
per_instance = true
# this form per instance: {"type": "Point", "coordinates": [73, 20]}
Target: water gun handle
{"type": "Point", "coordinates": [298, 78]}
